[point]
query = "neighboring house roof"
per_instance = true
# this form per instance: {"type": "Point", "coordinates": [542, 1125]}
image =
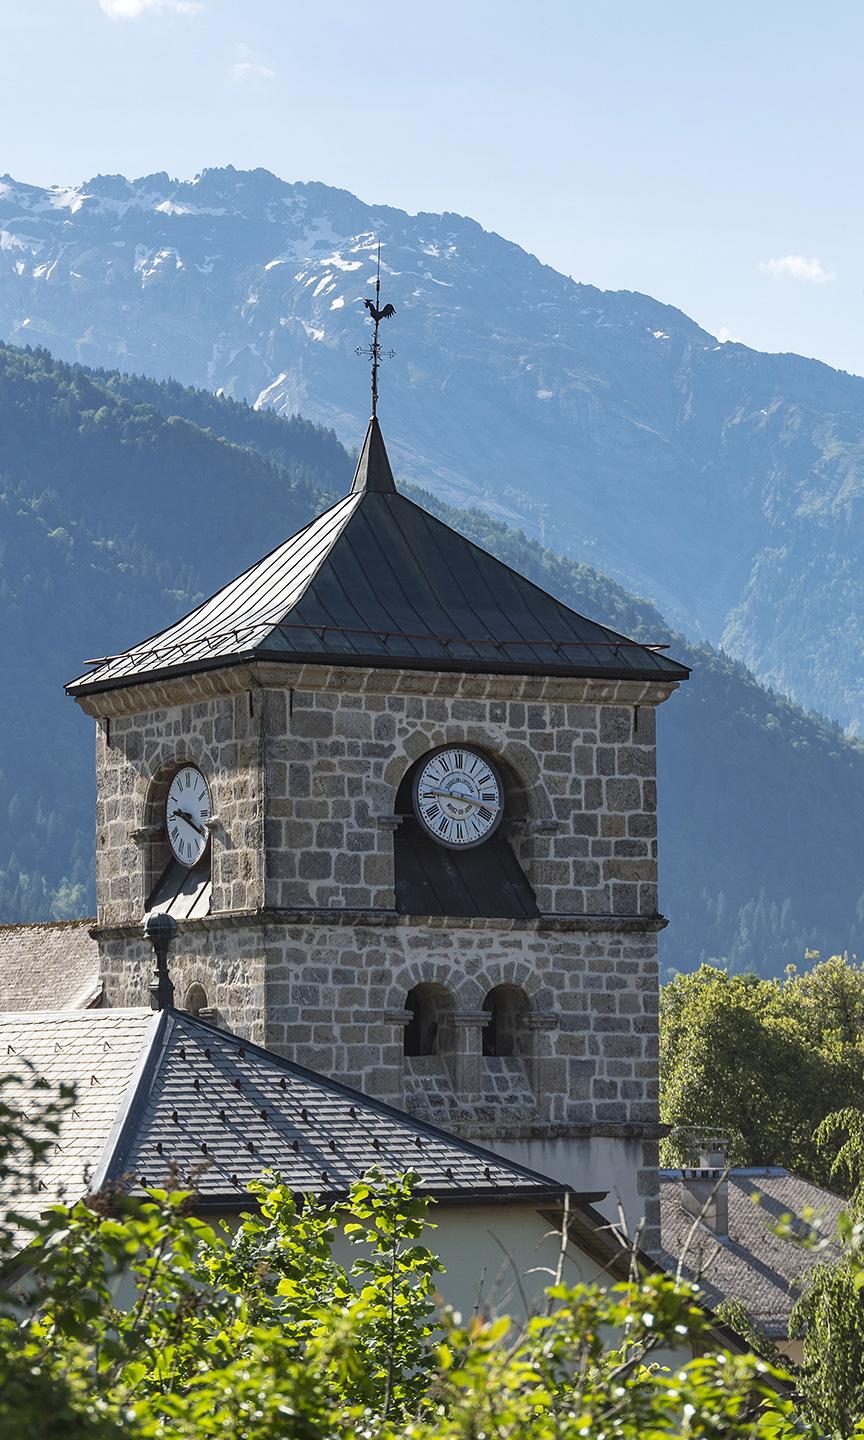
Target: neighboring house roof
{"type": "Point", "coordinates": [166, 1097]}
{"type": "Point", "coordinates": [228, 1109]}
{"type": "Point", "coordinates": [97, 1051]}
{"type": "Point", "coordinates": [51, 966]}
{"type": "Point", "coordinates": [377, 580]}
{"type": "Point", "coordinates": [751, 1263]}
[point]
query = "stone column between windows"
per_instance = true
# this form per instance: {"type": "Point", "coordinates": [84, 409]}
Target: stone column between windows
{"type": "Point", "coordinates": [400, 1020]}
{"type": "Point", "coordinates": [539, 1057]}
{"type": "Point", "coordinates": [468, 1052]}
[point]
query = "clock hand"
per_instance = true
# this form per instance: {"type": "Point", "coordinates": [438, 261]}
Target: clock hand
{"type": "Point", "coordinates": [184, 815]}
{"type": "Point", "coordinates": [451, 795]}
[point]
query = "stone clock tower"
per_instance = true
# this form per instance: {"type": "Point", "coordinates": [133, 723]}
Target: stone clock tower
{"type": "Point", "coordinates": [402, 804]}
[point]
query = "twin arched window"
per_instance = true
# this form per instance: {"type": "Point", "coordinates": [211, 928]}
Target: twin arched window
{"type": "Point", "coordinates": [430, 1028]}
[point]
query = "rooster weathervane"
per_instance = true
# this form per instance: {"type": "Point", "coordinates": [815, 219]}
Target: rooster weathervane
{"type": "Point", "coordinates": [373, 350]}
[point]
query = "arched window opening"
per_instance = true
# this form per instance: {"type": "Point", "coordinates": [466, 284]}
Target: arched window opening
{"type": "Point", "coordinates": [428, 1032]}
{"type": "Point", "coordinates": [196, 1000]}
{"type": "Point", "coordinates": [507, 1006]}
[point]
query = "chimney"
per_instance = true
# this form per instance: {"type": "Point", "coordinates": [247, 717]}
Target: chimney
{"type": "Point", "coordinates": [705, 1186]}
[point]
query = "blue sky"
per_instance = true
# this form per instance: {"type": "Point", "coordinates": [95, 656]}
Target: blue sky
{"type": "Point", "coordinates": [708, 155]}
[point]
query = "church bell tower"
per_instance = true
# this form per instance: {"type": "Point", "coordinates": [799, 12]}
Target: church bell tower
{"type": "Point", "coordinates": [402, 804]}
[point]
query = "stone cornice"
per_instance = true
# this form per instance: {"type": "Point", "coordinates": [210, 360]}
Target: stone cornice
{"type": "Point", "coordinates": [390, 919]}
{"type": "Point", "coordinates": [258, 675]}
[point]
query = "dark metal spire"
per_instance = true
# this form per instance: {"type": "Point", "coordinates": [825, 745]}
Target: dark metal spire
{"type": "Point", "coordinates": [373, 471]}
{"type": "Point", "coordinates": [373, 349]}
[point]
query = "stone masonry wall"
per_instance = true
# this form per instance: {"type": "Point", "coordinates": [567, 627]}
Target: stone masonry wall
{"type": "Point", "coordinates": [331, 996]}
{"type": "Point", "coordinates": [136, 755]}
{"type": "Point", "coordinates": [303, 950]}
{"type": "Point", "coordinates": [228, 962]}
{"type": "Point", "coordinates": [581, 801]}
{"type": "Point", "coordinates": [304, 775]}
{"type": "Point", "coordinates": [336, 1002]}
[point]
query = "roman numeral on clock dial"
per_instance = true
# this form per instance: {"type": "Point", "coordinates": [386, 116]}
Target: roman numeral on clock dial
{"type": "Point", "coordinates": [458, 797]}
{"type": "Point", "coordinates": [187, 810]}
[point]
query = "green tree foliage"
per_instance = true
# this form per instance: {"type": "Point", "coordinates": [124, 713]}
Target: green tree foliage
{"type": "Point", "coordinates": [829, 1319]}
{"type": "Point", "coordinates": [141, 1320]}
{"type": "Point", "coordinates": [764, 1061]}
{"type": "Point", "coordinates": [840, 1138]}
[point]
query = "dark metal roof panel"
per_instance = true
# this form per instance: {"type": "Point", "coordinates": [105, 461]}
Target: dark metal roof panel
{"type": "Point", "coordinates": [238, 617]}
{"type": "Point", "coordinates": [403, 587]}
{"type": "Point", "coordinates": [183, 891]}
{"type": "Point", "coordinates": [377, 580]}
{"type": "Point", "coordinates": [485, 880]}
{"type": "Point", "coordinates": [373, 467]}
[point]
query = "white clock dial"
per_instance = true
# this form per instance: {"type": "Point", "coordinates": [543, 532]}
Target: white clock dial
{"type": "Point", "coordinates": [187, 811]}
{"type": "Point", "coordinates": [458, 796]}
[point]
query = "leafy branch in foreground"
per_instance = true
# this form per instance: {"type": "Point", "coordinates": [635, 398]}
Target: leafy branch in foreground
{"type": "Point", "coordinates": [142, 1320]}
{"type": "Point", "coordinates": [311, 1320]}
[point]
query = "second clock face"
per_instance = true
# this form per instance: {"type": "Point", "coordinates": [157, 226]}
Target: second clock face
{"type": "Point", "coordinates": [187, 811]}
{"type": "Point", "coordinates": [458, 796]}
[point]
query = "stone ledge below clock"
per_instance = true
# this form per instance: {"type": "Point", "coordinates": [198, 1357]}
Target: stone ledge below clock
{"type": "Point", "coordinates": [560, 924]}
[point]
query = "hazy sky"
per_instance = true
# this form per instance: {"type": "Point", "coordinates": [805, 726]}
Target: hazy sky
{"type": "Point", "coordinates": [709, 155]}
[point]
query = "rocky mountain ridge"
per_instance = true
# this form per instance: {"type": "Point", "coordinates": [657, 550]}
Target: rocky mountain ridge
{"type": "Point", "coordinates": [723, 484]}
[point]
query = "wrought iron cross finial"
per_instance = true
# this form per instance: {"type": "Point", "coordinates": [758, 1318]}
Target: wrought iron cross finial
{"type": "Point", "coordinates": [373, 350]}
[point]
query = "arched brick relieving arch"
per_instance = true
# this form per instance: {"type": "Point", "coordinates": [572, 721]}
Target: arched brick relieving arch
{"type": "Point", "coordinates": [513, 972]}
{"type": "Point", "coordinates": [469, 992]}
{"type": "Point", "coordinates": [512, 755]}
{"type": "Point", "coordinates": [423, 972]}
{"type": "Point", "coordinates": [152, 780]}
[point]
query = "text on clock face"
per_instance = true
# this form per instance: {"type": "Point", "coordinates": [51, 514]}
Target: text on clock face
{"type": "Point", "coordinates": [458, 796]}
{"type": "Point", "coordinates": [187, 811]}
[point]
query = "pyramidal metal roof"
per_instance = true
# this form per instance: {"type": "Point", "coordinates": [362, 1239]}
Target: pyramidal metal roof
{"type": "Point", "coordinates": [378, 581]}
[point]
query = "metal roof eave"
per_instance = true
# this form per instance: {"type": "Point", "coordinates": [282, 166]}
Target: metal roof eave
{"type": "Point", "coordinates": [234, 1201]}
{"type": "Point", "coordinates": [382, 662]}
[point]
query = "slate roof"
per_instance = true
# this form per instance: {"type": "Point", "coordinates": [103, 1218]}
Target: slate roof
{"type": "Point", "coordinates": [751, 1264]}
{"type": "Point", "coordinates": [252, 1111]}
{"type": "Point", "coordinates": [97, 1051]}
{"type": "Point", "coordinates": [170, 1098]}
{"type": "Point", "coordinates": [52, 966]}
{"type": "Point", "coordinates": [377, 580]}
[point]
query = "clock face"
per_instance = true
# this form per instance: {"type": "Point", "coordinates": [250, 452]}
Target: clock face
{"type": "Point", "coordinates": [187, 811]}
{"type": "Point", "coordinates": [458, 796]}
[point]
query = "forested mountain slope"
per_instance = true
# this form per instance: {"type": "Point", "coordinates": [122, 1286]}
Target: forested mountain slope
{"type": "Point", "coordinates": [726, 485]}
{"type": "Point", "coordinates": [123, 502]}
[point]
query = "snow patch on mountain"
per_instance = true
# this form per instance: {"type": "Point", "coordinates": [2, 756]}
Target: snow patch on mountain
{"type": "Point", "coordinates": [269, 393]}
{"type": "Point", "coordinates": [155, 264]}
